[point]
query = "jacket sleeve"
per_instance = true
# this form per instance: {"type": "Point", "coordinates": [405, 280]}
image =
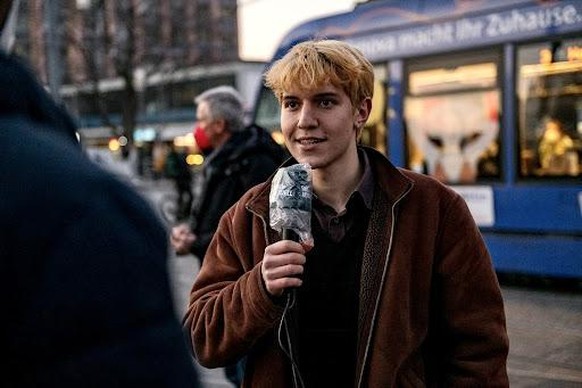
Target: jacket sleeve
{"type": "Point", "coordinates": [229, 309]}
{"type": "Point", "coordinates": [249, 171]}
{"type": "Point", "coordinates": [472, 328]}
{"type": "Point", "coordinates": [260, 168]}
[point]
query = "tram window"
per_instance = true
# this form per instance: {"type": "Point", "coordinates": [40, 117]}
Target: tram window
{"type": "Point", "coordinates": [268, 113]}
{"type": "Point", "coordinates": [451, 115]}
{"type": "Point", "coordinates": [374, 132]}
{"type": "Point", "coordinates": [550, 109]}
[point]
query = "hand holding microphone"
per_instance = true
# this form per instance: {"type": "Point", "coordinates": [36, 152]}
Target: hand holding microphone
{"type": "Point", "coordinates": [290, 214]}
{"type": "Point", "coordinates": [282, 266]}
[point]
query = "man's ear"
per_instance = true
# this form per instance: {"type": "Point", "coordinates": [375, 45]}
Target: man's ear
{"type": "Point", "coordinates": [220, 126]}
{"type": "Point", "coordinates": [363, 112]}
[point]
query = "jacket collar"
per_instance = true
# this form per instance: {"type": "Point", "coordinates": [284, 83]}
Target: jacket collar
{"type": "Point", "coordinates": [388, 177]}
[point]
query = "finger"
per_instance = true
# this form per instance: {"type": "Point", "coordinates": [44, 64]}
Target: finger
{"type": "Point", "coordinates": [275, 261]}
{"type": "Point", "coordinates": [277, 287]}
{"type": "Point", "coordinates": [285, 271]}
{"type": "Point", "coordinates": [284, 246]}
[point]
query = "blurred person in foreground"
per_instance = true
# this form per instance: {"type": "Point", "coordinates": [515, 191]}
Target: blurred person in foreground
{"type": "Point", "coordinates": [85, 293]}
{"type": "Point", "coordinates": [398, 288]}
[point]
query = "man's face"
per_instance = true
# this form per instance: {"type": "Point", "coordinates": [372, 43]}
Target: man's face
{"type": "Point", "coordinates": [205, 122]}
{"type": "Point", "coordinates": [319, 125]}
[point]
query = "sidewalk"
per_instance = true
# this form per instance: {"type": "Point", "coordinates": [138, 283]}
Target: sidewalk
{"type": "Point", "coordinates": [183, 270]}
{"type": "Point", "coordinates": [125, 169]}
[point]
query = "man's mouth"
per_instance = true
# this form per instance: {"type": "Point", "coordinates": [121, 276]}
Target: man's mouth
{"type": "Point", "coordinates": [309, 140]}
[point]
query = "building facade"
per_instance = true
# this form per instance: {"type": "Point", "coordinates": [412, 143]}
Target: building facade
{"type": "Point", "coordinates": [125, 68]}
{"type": "Point", "coordinates": [149, 34]}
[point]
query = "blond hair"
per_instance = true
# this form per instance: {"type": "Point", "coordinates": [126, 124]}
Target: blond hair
{"type": "Point", "coordinates": [314, 63]}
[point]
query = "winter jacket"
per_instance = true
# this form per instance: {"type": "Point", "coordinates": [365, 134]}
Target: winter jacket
{"type": "Point", "coordinates": [248, 157]}
{"type": "Point", "coordinates": [431, 312]}
{"type": "Point", "coordinates": [85, 295]}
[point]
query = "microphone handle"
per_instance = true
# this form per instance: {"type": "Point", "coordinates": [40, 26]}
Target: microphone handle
{"type": "Point", "coordinates": [290, 234]}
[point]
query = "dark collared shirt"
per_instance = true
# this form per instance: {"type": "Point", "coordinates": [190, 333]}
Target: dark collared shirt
{"type": "Point", "coordinates": [335, 224]}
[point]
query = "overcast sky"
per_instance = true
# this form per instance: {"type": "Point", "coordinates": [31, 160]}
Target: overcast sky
{"type": "Point", "coordinates": [263, 23]}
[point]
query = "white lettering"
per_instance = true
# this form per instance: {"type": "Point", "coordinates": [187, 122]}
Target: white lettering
{"type": "Point", "coordinates": [469, 29]}
{"type": "Point", "coordinates": [526, 21]}
{"type": "Point", "coordinates": [494, 26]}
{"type": "Point", "coordinates": [384, 44]}
{"type": "Point", "coordinates": [435, 34]}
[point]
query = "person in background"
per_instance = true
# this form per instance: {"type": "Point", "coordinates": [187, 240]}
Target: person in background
{"type": "Point", "coordinates": [177, 168]}
{"type": "Point", "coordinates": [238, 158]}
{"type": "Point", "coordinates": [85, 293]}
{"type": "Point", "coordinates": [398, 288]}
{"type": "Point", "coordinates": [159, 155]}
{"type": "Point", "coordinates": [557, 151]}
{"type": "Point", "coordinates": [241, 157]}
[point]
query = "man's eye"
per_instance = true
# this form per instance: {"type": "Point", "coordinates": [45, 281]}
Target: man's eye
{"type": "Point", "coordinates": [326, 103]}
{"type": "Point", "coordinates": [290, 104]}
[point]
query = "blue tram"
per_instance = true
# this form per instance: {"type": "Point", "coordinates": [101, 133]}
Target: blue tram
{"type": "Point", "coordinates": [487, 97]}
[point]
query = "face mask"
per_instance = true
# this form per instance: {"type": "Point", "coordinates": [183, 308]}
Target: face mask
{"type": "Point", "coordinates": [202, 140]}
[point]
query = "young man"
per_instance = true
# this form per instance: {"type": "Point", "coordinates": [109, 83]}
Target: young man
{"type": "Point", "coordinates": [398, 289]}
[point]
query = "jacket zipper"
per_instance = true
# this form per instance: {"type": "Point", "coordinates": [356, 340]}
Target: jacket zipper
{"type": "Point", "coordinates": [364, 361]}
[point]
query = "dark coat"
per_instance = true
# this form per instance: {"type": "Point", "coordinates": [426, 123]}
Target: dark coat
{"type": "Point", "coordinates": [248, 157]}
{"type": "Point", "coordinates": [431, 312]}
{"type": "Point", "coordinates": [85, 294]}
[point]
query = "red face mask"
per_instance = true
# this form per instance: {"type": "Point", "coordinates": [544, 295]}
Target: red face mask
{"type": "Point", "coordinates": [202, 140]}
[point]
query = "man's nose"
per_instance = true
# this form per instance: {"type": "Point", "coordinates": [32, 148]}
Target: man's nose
{"type": "Point", "coordinates": [307, 117]}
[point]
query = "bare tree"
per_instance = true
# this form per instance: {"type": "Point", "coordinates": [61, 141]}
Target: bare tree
{"type": "Point", "coordinates": [108, 40]}
{"type": "Point", "coordinates": [111, 50]}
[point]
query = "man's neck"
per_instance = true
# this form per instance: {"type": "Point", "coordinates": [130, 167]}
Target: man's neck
{"type": "Point", "coordinates": [222, 139]}
{"type": "Point", "coordinates": [335, 184]}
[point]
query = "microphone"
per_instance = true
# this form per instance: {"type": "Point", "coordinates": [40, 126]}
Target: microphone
{"type": "Point", "coordinates": [290, 203]}
{"type": "Point", "coordinates": [290, 209]}
{"type": "Point", "coordinates": [290, 215]}
{"type": "Point", "coordinates": [289, 234]}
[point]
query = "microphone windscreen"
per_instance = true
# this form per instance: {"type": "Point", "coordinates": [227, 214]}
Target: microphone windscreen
{"type": "Point", "coordinates": [290, 201]}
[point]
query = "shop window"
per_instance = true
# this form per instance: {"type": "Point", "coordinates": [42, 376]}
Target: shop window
{"type": "Point", "coordinates": [550, 109]}
{"type": "Point", "coordinates": [452, 111]}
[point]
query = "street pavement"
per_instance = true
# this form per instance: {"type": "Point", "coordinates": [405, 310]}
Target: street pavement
{"type": "Point", "coordinates": [544, 323]}
{"type": "Point", "coordinates": [545, 333]}
{"type": "Point", "coordinates": [183, 270]}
